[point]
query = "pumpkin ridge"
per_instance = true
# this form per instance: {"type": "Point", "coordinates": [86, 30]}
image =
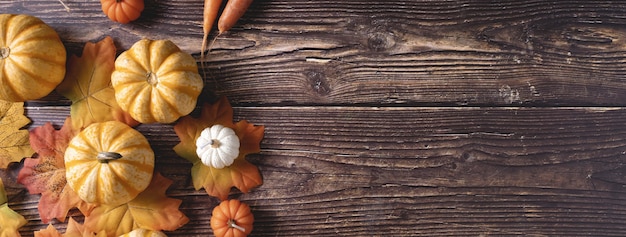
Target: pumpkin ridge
{"type": "Point", "coordinates": [130, 86]}
{"type": "Point", "coordinates": [171, 105]}
{"type": "Point", "coordinates": [35, 76]}
{"type": "Point", "coordinates": [122, 148]}
{"type": "Point", "coordinates": [17, 41]}
{"type": "Point", "coordinates": [81, 182]}
{"type": "Point", "coordinates": [125, 182]}
{"type": "Point", "coordinates": [185, 89]}
{"type": "Point", "coordinates": [133, 102]}
{"type": "Point", "coordinates": [141, 166]}
{"type": "Point", "coordinates": [44, 58]}
{"type": "Point", "coordinates": [7, 83]}
{"type": "Point", "coordinates": [83, 151]}
{"type": "Point", "coordinates": [4, 33]}
{"type": "Point", "coordinates": [10, 21]}
{"type": "Point", "coordinates": [132, 54]}
{"type": "Point", "coordinates": [135, 7]}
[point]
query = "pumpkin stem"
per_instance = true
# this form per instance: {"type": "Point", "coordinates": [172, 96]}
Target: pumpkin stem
{"type": "Point", "coordinates": [4, 52]}
{"type": "Point", "coordinates": [105, 156]}
{"type": "Point", "coordinates": [152, 78]}
{"type": "Point", "coordinates": [214, 143]}
{"type": "Point", "coordinates": [232, 224]}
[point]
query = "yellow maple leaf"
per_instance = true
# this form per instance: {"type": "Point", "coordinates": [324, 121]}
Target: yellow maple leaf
{"type": "Point", "coordinates": [74, 229]}
{"type": "Point", "coordinates": [10, 221]}
{"type": "Point", "coordinates": [87, 84]}
{"type": "Point", "coordinates": [151, 210]}
{"type": "Point", "coordinates": [13, 140]}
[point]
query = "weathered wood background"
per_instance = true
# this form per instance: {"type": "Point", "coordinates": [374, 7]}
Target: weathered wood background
{"type": "Point", "coordinates": [397, 118]}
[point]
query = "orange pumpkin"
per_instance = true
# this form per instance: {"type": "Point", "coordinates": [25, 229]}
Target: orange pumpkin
{"type": "Point", "coordinates": [122, 11]}
{"type": "Point", "coordinates": [232, 218]}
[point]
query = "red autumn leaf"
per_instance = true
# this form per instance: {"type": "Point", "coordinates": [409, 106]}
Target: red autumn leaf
{"type": "Point", "coordinates": [87, 84]}
{"type": "Point", "coordinates": [45, 175]}
{"type": "Point", "coordinates": [151, 210]}
{"type": "Point", "coordinates": [218, 182]}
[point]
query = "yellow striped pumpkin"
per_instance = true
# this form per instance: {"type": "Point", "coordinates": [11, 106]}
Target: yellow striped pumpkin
{"type": "Point", "coordinates": [32, 58]}
{"type": "Point", "coordinates": [109, 163]}
{"type": "Point", "coordinates": [156, 82]}
{"type": "Point", "coordinates": [144, 233]}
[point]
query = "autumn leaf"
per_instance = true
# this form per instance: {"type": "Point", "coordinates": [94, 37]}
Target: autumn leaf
{"type": "Point", "coordinates": [74, 229]}
{"type": "Point", "coordinates": [49, 231]}
{"type": "Point", "coordinates": [13, 140]}
{"type": "Point", "coordinates": [10, 221]}
{"type": "Point", "coordinates": [87, 84]}
{"type": "Point", "coordinates": [151, 210]}
{"type": "Point", "coordinates": [218, 182]}
{"type": "Point", "coordinates": [45, 174]}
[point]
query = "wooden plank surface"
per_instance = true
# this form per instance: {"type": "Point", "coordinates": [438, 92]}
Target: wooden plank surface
{"type": "Point", "coordinates": [397, 118]}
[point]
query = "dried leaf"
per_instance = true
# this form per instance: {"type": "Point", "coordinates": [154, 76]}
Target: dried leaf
{"type": "Point", "coordinates": [49, 231]}
{"type": "Point", "coordinates": [45, 175]}
{"type": "Point", "coordinates": [13, 140]}
{"type": "Point", "coordinates": [10, 221]}
{"type": "Point", "coordinates": [74, 229]}
{"type": "Point", "coordinates": [151, 210]}
{"type": "Point", "coordinates": [87, 84]}
{"type": "Point", "coordinates": [218, 182]}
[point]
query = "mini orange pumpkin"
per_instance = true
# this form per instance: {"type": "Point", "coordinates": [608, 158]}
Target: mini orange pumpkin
{"type": "Point", "coordinates": [109, 163]}
{"type": "Point", "coordinates": [122, 11]}
{"type": "Point", "coordinates": [232, 218]}
{"type": "Point", "coordinates": [32, 58]}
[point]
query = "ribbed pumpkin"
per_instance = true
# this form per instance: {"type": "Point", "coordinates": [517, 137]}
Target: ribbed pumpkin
{"type": "Point", "coordinates": [156, 82]}
{"type": "Point", "coordinates": [232, 218]}
{"type": "Point", "coordinates": [32, 58]}
{"type": "Point", "coordinates": [144, 233]}
{"type": "Point", "coordinates": [217, 146]}
{"type": "Point", "coordinates": [122, 11]}
{"type": "Point", "coordinates": [109, 163]}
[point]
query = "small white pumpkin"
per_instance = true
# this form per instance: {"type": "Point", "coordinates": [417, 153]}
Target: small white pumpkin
{"type": "Point", "coordinates": [217, 146]}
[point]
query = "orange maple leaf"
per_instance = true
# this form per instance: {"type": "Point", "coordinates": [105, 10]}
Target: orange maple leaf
{"type": "Point", "coordinates": [218, 182]}
{"type": "Point", "coordinates": [151, 210]}
{"type": "Point", "coordinates": [45, 175]}
{"type": "Point", "coordinates": [13, 140]}
{"type": "Point", "coordinates": [87, 84]}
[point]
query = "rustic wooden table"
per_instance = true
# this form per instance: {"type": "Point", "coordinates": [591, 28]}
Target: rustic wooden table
{"type": "Point", "coordinates": [396, 118]}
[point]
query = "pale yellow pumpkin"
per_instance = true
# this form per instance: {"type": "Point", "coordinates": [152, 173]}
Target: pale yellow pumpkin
{"type": "Point", "coordinates": [144, 233]}
{"type": "Point", "coordinates": [156, 82]}
{"type": "Point", "coordinates": [109, 163]}
{"type": "Point", "coordinates": [32, 58]}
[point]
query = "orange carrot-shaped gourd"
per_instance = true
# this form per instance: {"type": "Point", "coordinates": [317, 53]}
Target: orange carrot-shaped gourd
{"type": "Point", "coordinates": [211, 8]}
{"type": "Point", "coordinates": [232, 12]}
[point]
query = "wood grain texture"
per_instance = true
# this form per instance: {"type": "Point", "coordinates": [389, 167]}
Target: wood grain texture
{"type": "Point", "coordinates": [417, 171]}
{"type": "Point", "coordinates": [396, 118]}
{"type": "Point", "coordinates": [534, 53]}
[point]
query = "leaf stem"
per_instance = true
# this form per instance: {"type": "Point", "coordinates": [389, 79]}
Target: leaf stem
{"type": "Point", "coordinates": [65, 6]}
